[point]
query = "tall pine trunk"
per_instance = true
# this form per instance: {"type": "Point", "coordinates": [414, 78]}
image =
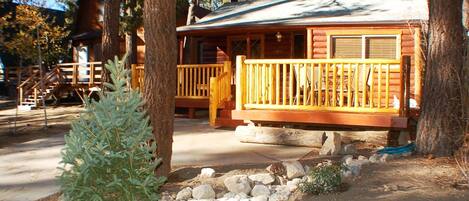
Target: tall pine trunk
{"type": "Point", "coordinates": [160, 74]}
{"type": "Point", "coordinates": [131, 39]}
{"type": "Point", "coordinates": [441, 124]}
{"type": "Point", "coordinates": [110, 38]}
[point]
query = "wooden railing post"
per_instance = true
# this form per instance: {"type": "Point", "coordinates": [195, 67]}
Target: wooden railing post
{"type": "Point", "coordinates": [75, 74]}
{"type": "Point", "coordinates": [240, 82]}
{"type": "Point", "coordinates": [213, 101]}
{"type": "Point", "coordinates": [134, 76]}
{"type": "Point", "coordinates": [404, 99]}
{"type": "Point", "coordinates": [21, 96]}
{"type": "Point", "coordinates": [92, 74]}
{"type": "Point", "coordinates": [228, 69]}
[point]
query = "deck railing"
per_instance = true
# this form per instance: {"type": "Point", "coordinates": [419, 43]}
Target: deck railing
{"type": "Point", "coordinates": [342, 85]}
{"type": "Point", "coordinates": [193, 80]}
{"type": "Point", "coordinates": [81, 73]}
{"type": "Point", "coordinates": [220, 91]}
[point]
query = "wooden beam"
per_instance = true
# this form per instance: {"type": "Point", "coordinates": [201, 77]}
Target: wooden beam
{"type": "Point", "coordinates": [418, 65]}
{"type": "Point", "coordinates": [309, 43]}
{"type": "Point", "coordinates": [323, 118]}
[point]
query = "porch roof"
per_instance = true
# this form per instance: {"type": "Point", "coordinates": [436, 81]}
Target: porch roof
{"type": "Point", "coordinates": [264, 13]}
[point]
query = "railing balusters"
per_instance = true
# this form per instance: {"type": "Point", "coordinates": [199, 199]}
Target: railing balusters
{"type": "Point", "coordinates": [284, 88]}
{"type": "Point", "coordinates": [349, 85]}
{"type": "Point", "coordinates": [320, 85]}
{"type": "Point", "coordinates": [290, 86]}
{"type": "Point", "coordinates": [387, 84]}
{"type": "Point", "coordinates": [372, 72]}
{"type": "Point", "coordinates": [277, 84]}
{"type": "Point", "coordinates": [379, 85]}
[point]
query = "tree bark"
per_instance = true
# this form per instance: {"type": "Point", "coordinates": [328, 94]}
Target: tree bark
{"type": "Point", "coordinates": [110, 38]}
{"type": "Point", "coordinates": [441, 124]}
{"type": "Point", "coordinates": [131, 39]}
{"type": "Point", "coordinates": [160, 75]}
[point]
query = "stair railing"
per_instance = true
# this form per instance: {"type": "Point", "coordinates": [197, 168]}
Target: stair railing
{"type": "Point", "coordinates": [220, 91]}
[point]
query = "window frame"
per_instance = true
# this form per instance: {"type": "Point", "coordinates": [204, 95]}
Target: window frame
{"type": "Point", "coordinates": [364, 34]}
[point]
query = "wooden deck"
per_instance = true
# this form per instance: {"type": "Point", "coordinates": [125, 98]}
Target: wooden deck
{"type": "Point", "coordinates": [324, 91]}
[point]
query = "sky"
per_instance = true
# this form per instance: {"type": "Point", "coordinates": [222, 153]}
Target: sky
{"type": "Point", "coordinates": [52, 4]}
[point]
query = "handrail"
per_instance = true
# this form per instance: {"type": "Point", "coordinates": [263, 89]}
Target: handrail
{"type": "Point", "coordinates": [343, 85]}
{"type": "Point", "coordinates": [220, 91]}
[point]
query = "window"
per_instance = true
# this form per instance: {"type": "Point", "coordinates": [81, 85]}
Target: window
{"type": "Point", "coordinates": [347, 47]}
{"type": "Point", "coordinates": [364, 46]}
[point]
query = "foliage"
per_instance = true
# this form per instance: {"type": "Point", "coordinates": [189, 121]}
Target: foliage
{"type": "Point", "coordinates": [132, 20]}
{"type": "Point", "coordinates": [20, 28]}
{"type": "Point", "coordinates": [107, 155]}
{"type": "Point", "coordinates": [323, 179]}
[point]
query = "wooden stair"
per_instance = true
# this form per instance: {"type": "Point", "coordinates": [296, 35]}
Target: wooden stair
{"type": "Point", "coordinates": [29, 91]}
{"type": "Point", "coordinates": [224, 118]}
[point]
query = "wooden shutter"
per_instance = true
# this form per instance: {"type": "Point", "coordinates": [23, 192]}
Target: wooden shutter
{"type": "Point", "coordinates": [381, 47]}
{"type": "Point", "coordinates": [347, 47]}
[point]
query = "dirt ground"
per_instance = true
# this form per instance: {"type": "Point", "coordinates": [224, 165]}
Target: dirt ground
{"type": "Point", "coordinates": [411, 178]}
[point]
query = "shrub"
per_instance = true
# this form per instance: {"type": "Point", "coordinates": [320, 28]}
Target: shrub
{"type": "Point", "coordinates": [323, 179]}
{"type": "Point", "coordinates": [107, 155]}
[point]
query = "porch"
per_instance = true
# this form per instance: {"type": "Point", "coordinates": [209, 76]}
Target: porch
{"type": "Point", "coordinates": [344, 92]}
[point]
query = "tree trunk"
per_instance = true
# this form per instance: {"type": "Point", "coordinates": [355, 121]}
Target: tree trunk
{"type": "Point", "coordinates": [131, 39]}
{"type": "Point", "coordinates": [441, 124]}
{"type": "Point", "coordinates": [160, 74]}
{"type": "Point", "coordinates": [110, 39]}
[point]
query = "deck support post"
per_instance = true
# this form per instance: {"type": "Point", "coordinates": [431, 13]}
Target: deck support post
{"type": "Point", "coordinates": [404, 99]}
{"type": "Point", "coordinates": [227, 68]}
{"type": "Point", "coordinates": [240, 76]}
{"type": "Point", "coordinates": [134, 76]}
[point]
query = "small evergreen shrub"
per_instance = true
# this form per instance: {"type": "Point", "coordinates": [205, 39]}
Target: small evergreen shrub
{"type": "Point", "coordinates": [323, 179]}
{"type": "Point", "coordinates": [107, 155]}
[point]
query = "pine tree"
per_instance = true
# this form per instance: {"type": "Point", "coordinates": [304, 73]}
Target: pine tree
{"type": "Point", "coordinates": [108, 153]}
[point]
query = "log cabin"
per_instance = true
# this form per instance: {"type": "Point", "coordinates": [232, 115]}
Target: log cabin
{"type": "Point", "coordinates": [342, 63]}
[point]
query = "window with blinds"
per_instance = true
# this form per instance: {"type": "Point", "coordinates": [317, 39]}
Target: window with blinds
{"type": "Point", "coordinates": [376, 47]}
{"type": "Point", "coordinates": [380, 47]}
{"type": "Point", "coordinates": [347, 47]}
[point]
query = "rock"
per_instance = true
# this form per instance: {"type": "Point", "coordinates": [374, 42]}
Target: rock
{"type": "Point", "coordinates": [276, 169]}
{"type": "Point", "coordinates": [229, 195]}
{"type": "Point", "coordinates": [184, 194]}
{"type": "Point", "coordinates": [61, 197]}
{"type": "Point", "coordinates": [349, 149]}
{"type": "Point", "coordinates": [374, 158]}
{"type": "Point", "coordinates": [281, 193]}
{"type": "Point", "coordinates": [165, 196]}
{"type": "Point", "coordinates": [294, 169]}
{"type": "Point", "coordinates": [293, 184]}
{"type": "Point", "coordinates": [281, 180]}
{"type": "Point", "coordinates": [362, 157]}
{"type": "Point", "coordinates": [347, 159]}
{"type": "Point", "coordinates": [346, 173]}
{"type": "Point", "coordinates": [260, 190]}
{"type": "Point", "coordinates": [307, 168]}
{"type": "Point", "coordinates": [207, 173]}
{"type": "Point", "coordinates": [238, 184]}
{"type": "Point", "coordinates": [332, 145]}
{"type": "Point", "coordinates": [203, 191]}
{"type": "Point", "coordinates": [260, 198]}
{"type": "Point", "coordinates": [355, 167]}
{"type": "Point", "coordinates": [385, 158]}
{"type": "Point", "coordinates": [264, 178]}
{"type": "Point", "coordinates": [406, 154]}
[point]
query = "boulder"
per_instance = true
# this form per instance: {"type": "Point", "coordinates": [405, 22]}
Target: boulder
{"type": "Point", "coordinates": [332, 145]}
{"type": "Point", "coordinates": [260, 198]}
{"type": "Point", "coordinates": [260, 190]}
{"type": "Point", "coordinates": [203, 191]}
{"type": "Point", "coordinates": [264, 178]}
{"type": "Point", "coordinates": [385, 158]}
{"type": "Point", "coordinates": [238, 184]}
{"type": "Point", "coordinates": [347, 159]}
{"type": "Point", "coordinates": [207, 173]}
{"type": "Point", "coordinates": [294, 169]}
{"type": "Point", "coordinates": [293, 184]}
{"type": "Point", "coordinates": [184, 194]}
{"type": "Point", "coordinates": [348, 149]}
{"type": "Point", "coordinates": [166, 196]}
{"type": "Point", "coordinates": [307, 168]}
{"type": "Point", "coordinates": [374, 158]}
{"type": "Point", "coordinates": [276, 169]}
{"type": "Point", "coordinates": [355, 167]}
{"type": "Point", "coordinates": [281, 193]}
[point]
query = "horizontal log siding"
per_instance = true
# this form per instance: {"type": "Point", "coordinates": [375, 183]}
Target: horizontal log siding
{"type": "Point", "coordinates": [407, 49]}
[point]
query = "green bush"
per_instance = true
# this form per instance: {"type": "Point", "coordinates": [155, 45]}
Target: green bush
{"type": "Point", "coordinates": [323, 179]}
{"type": "Point", "coordinates": [107, 155]}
